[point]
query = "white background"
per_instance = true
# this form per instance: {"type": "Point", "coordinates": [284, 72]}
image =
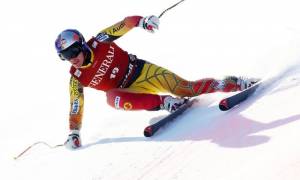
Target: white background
{"type": "Point", "coordinates": [197, 39]}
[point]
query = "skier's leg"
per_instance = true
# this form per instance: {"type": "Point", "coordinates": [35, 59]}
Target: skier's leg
{"type": "Point", "coordinates": [126, 100]}
{"type": "Point", "coordinates": [155, 79]}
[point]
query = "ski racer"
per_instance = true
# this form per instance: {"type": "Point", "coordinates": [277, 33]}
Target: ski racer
{"type": "Point", "coordinates": [130, 83]}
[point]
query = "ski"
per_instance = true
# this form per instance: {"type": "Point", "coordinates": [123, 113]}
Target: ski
{"type": "Point", "coordinates": [229, 102]}
{"type": "Point", "coordinates": [153, 128]}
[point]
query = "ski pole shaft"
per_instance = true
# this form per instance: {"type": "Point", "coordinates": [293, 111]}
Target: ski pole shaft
{"type": "Point", "coordinates": [34, 144]}
{"type": "Point", "coordinates": [171, 7]}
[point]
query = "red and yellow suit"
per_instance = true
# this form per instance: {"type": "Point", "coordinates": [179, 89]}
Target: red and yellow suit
{"type": "Point", "coordinates": [130, 83]}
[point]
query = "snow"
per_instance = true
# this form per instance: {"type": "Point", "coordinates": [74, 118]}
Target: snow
{"type": "Point", "coordinates": [197, 39]}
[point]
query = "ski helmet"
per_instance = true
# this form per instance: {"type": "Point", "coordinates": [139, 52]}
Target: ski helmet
{"type": "Point", "coordinates": [70, 43]}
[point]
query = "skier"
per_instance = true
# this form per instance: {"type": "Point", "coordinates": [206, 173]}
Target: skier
{"type": "Point", "coordinates": [130, 83]}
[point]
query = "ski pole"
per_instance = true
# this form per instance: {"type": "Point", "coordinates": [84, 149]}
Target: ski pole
{"type": "Point", "coordinates": [34, 144]}
{"type": "Point", "coordinates": [171, 7]}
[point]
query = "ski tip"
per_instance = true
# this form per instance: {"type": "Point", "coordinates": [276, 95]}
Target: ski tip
{"type": "Point", "coordinates": [223, 105]}
{"type": "Point", "coordinates": [148, 132]}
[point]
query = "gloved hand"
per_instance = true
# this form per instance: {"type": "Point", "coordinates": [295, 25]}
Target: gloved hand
{"type": "Point", "coordinates": [149, 23]}
{"type": "Point", "coordinates": [73, 141]}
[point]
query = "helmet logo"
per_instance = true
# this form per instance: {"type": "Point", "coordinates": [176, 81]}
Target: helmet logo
{"type": "Point", "coordinates": [63, 42]}
{"type": "Point", "coordinates": [75, 37]}
{"type": "Point", "coordinates": [67, 38]}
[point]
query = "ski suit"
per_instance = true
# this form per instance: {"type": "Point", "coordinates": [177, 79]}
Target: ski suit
{"type": "Point", "coordinates": [129, 82]}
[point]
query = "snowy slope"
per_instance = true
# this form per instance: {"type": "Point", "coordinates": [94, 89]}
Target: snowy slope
{"type": "Point", "coordinates": [257, 140]}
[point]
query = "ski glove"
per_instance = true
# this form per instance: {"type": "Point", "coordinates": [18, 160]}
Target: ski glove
{"type": "Point", "coordinates": [73, 141]}
{"type": "Point", "coordinates": [149, 23]}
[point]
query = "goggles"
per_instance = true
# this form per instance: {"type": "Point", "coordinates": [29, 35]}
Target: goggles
{"type": "Point", "coordinates": [70, 52]}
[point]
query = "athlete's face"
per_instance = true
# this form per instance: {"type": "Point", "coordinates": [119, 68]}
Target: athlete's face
{"type": "Point", "coordinates": [78, 60]}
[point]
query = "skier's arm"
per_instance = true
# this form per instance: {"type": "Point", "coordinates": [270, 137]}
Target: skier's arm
{"type": "Point", "coordinates": [119, 29]}
{"type": "Point", "coordinates": [76, 102]}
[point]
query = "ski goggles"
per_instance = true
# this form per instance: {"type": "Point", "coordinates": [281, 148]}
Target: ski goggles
{"type": "Point", "coordinates": [71, 52]}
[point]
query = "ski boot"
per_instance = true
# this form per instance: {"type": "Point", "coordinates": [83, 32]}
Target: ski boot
{"type": "Point", "coordinates": [245, 83]}
{"type": "Point", "coordinates": [171, 104]}
{"type": "Point", "coordinates": [233, 83]}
